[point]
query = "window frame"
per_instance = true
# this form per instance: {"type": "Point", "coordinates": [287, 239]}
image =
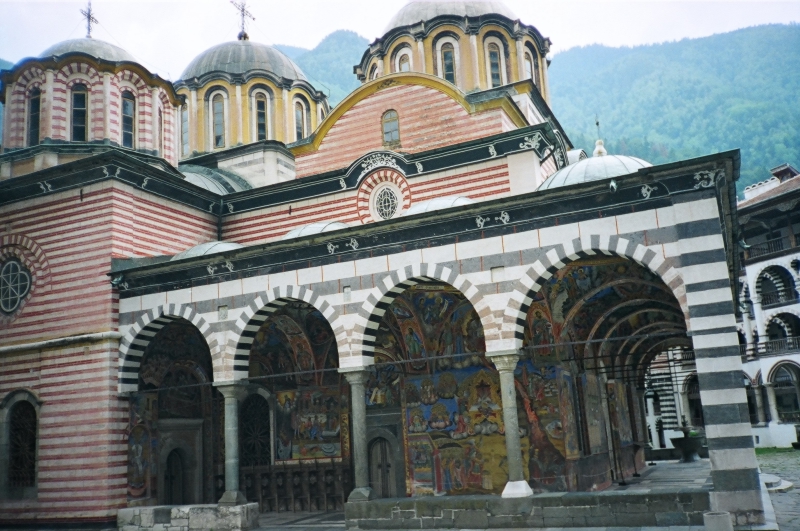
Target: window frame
{"type": "Point", "coordinates": [214, 98]}
{"type": "Point", "coordinates": [404, 52]}
{"type": "Point", "coordinates": [76, 90]}
{"type": "Point", "coordinates": [7, 405]}
{"type": "Point", "coordinates": [387, 119]}
{"type": "Point", "coordinates": [127, 95]}
{"type": "Point", "coordinates": [5, 276]}
{"type": "Point", "coordinates": [445, 48]}
{"type": "Point", "coordinates": [301, 127]}
{"type": "Point", "coordinates": [32, 118]}
{"type": "Point", "coordinates": [491, 42]}
{"type": "Point", "coordinates": [260, 96]}
{"type": "Point", "coordinates": [375, 196]}
{"type": "Point", "coordinates": [528, 61]}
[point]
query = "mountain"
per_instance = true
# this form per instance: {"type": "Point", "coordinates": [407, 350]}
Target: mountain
{"type": "Point", "coordinates": [677, 100]}
{"type": "Point", "coordinates": [329, 66]}
{"type": "Point", "coordinates": [4, 65]}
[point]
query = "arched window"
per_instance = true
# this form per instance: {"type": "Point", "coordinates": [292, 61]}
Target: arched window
{"type": "Point", "coordinates": [391, 128]}
{"type": "Point", "coordinates": [494, 65]}
{"type": "Point", "coordinates": [22, 446]}
{"type": "Point", "coordinates": [128, 119]}
{"type": "Point", "coordinates": [299, 121]}
{"type": "Point", "coordinates": [185, 130]}
{"type": "Point", "coordinates": [405, 63]}
{"type": "Point", "coordinates": [261, 116]}
{"type": "Point", "coordinates": [218, 113]}
{"type": "Point", "coordinates": [373, 72]}
{"type": "Point", "coordinates": [528, 66]}
{"type": "Point", "coordinates": [448, 63]}
{"type": "Point", "coordinates": [34, 108]}
{"type": "Point", "coordinates": [79, 113]}
{"type": "Point", "coordinates": [787, 393]}
{"type": "Point", "coordinates": [402, 60]}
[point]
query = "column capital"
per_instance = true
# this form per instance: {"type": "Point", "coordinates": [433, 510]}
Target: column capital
{"type": "Point", "coordinates": [505, 360]}
{"type": "Point", "coordinates": [357, 376]}
{"type": "Point", "coordinates": [232, 389]}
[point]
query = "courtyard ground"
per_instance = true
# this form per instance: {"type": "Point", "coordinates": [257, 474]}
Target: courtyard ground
{"type": "Point", "coordinates": [786, 465]}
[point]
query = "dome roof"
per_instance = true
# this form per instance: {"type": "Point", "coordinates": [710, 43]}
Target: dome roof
{"type": "Point", "coordinates": [314, 228]}
{"type": "Point", "coordinates": [417, 10]}
{"type": "Point", "coordinates": [437, 204]}
{"type": "Point", "coordinates": [239, 57]}
{"type": "Point", "coordinates": [219, 181]}
{"type": "Point", "coordinates": [205, 249]}
{"type": "Point", "coordinates": [600, 166]}
{"type": "Point", "coordinates": [93, 47]}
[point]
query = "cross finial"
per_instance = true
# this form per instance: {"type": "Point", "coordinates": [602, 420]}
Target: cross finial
{"type": "Point", "coordinates": [597, 123]}
{"type": "Point", "coordinates": [89, 14]}
{"type": "Point", "coordinates": [244, 13]}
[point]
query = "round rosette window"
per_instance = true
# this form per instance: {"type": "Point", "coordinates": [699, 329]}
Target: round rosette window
{"type": "Point", "coordinates": [386, 201]}
{"type": "Point", "coordinates": [15, 283]}
{"type": "Point", "coordinates": [383, 195]}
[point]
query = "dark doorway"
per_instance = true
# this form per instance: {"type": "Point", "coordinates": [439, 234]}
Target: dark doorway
{"type": "Point", "coordinates": [173, 480]}
{"type": "Point", "coordinates": [381, 475]}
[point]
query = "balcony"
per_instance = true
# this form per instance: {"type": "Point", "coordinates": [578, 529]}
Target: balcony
{"type": "Point", "coordinates": [774, 347]}
{"type": "Point", "coordinates": [768, 247]}
{"type": "Point", "coordinates": [789, 417]}
{"type": "Point", "coordinates": [773, 299]}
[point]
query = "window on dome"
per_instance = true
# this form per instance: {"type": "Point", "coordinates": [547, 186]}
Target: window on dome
{"type": "Point", "coordinates": [128, 122]}
{"type": "Point", "coordinates": [79, 108]}
{"type": "Point", "coordinates": [373, 72]}
{"type": "Point", "coordinates": [218, 111]}
{"type": "Point", "coordinates": [391, 128]}
{"type": "Point", "coordinates": [528, 66]}
{"type": "Point", "coordinates": [261, 117]}
{"type": "Point", "coordinates": [404, 62]}
{"type": "Point", "coordinates": [185, 130]}
{"type": "Point", "coordinates": [34, 107]}
{"type": "Point", "coordinates": [299, 121]}
{"type": "Point", "coordinates": [494, 65]}
{"type": "Point", "coordinates": [449, 63]}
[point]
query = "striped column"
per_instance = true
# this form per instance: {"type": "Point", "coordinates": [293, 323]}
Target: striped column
{"type": "Point", "coordinates": [734, 469]}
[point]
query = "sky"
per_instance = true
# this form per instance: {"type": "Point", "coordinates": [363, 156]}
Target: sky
{"type": "Point", "coordinates": [165, 35]}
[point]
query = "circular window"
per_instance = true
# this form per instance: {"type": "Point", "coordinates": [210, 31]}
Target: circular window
{"type": "Point", "coordinates": [15, 283]}
{"type": "Point", "coordinates": [386, 202]}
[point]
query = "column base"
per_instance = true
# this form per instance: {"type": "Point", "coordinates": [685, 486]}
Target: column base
{"type": "Point", "coordinates": [517, 489]}
{"type": "Point", "coordinates": [231, 498]}
{"type": "Point", "coordinates": [361, 494]}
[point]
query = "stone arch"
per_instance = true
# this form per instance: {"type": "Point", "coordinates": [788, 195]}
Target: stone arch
{"type": "Point", "coordinates": [382, 296]}
{"type": "Point", "coordinates": [776, 317]}
{"type": "Point", "coordinates": [259, 311]}
{"type": "Point", "coordinates": [794, 366]}
{"type": "Point", "coordinates": [138, 338]}
{"type": "Point", "coordinates": [513, 325]}
{"type": "Point", "coordinates": [780, 276]}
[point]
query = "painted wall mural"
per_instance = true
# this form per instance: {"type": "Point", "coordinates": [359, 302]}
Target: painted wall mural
{"type": "Point", "coordinates": [294, 355]}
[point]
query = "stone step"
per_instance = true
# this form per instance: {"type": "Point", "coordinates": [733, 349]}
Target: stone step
{"type": "Point", "coordinates": [776, 484]}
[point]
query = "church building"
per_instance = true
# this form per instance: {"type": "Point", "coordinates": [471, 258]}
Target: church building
{"type": "Point", "coordinates": [223, 290]}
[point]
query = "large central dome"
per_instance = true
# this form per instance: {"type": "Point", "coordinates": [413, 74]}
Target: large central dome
{"type": "Point", "coordinates": [418, 10]}
{"type": "Point", "coordinates": [239, 57]}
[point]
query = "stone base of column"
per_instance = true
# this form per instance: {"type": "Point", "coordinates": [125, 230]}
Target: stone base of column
{"type": "Point", "coordinates": [517, 489]}
{"type": "Point", "coordinates": [361, 494]}
{"type": "Point", "coordinates": [232, 497]}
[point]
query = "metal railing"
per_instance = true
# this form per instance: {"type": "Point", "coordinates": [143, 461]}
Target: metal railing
{"type": "Point", "coordinates": [770, 348]}
{"type": "Point", "coordinates": [768, 247]}
{"type": "Point", "coordinates": [789, 416]}
{"type": "Point", "coordinates": [771, 299]}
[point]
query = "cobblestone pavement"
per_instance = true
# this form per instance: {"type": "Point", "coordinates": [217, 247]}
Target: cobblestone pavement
{"type": "Point", "coordinates": [785, 465]}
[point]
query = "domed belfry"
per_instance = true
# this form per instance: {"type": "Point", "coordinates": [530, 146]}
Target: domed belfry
{"type": "Point", "coordinates": [422, 307]}
{"type": "Point", "coordinates": [474, 44]}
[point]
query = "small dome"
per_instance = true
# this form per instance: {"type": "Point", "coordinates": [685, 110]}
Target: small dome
{"type": "Point", "coordinates": [214, 179]}
{"type": "Point", "coordinates": [239, 57]}
{"type": "Point", "coordinates": [418, 10]}
{"type": "Point", "coordinates": [315, 228]}
{"type": "Point", "coordinates": [437, 204]}
{"type": "Point", "coordinates": [205, 249]}
{"type": "Point", "coordinates": [93, 47]}
{"type": "Point", "coordinates": [600, 166]}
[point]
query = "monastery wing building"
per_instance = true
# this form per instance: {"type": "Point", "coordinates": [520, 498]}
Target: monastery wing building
{"type": "Point", "coordinates": [222, 290]}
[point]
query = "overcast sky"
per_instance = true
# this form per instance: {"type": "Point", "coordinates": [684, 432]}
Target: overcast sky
{"type": "Point", "coordinates": [165, 35]}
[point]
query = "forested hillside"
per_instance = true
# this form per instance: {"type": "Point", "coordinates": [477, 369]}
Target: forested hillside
{"type": "Point", "coordinates": [677, 100]}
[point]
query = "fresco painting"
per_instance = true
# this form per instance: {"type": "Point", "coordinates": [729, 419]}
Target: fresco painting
{"type": "Point", "coordinates": [598, 441]}
{"type": "Point", "coordinates": [308, 423]}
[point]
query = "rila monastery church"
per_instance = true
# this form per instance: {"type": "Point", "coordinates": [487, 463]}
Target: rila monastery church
{"type": "Point", "coordinates": [222, 294]}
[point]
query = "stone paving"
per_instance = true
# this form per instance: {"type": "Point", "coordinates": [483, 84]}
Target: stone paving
{"type": "Point", "coordinates": [785, 465]}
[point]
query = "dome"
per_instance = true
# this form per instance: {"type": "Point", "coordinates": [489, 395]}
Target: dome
{"type": "Point", "coordinates": [417, 10]}
{"type": "Point", "coordinates": [315, 228]}
{"type": "Point", "coordinates": [93, 47]}
{"type": "Point", "coordinates": [239, 57]}
{"type": "Point", "coordinates": [437, 204]}
{"type": "Point", "coordinates": [596, 168]}
{"type": "Point", "coordinates": [219, 181]}
{"type": "Point", "coordinates": [205, 249]}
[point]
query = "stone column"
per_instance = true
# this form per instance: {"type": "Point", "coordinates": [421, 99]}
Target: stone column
{"type": "Point", "coordinates": [155, 138]}
{"type": "Point", "coordinates": [516, 487]}
{"type": "Point", "coordinates": [476, 74]}
{"type": "Point", "coordinates": [233, 392]}
{"type": "Point", "coordinates": [686, 410]}
{"type": "Point", "coordinates": [362, 491]}
{"type": "Point", "coordinates": [520, 60]}
{"type": "Point", "coordinates": [107, 106]}
{"type": "Point", "coordinates": [421, 56]}
{"type": "Point", "coordinates": [239, 117]}
{"type": "Point", "coordinates": [762, 418]}
{"type": "Point", "coordinates": [651, 422]}
{"type": "Point", "coordinates": [772, 402]}
{"type": "Point", "coordinates": [47, 110]}
{"type": "Point", "coordinates": [195, 128]}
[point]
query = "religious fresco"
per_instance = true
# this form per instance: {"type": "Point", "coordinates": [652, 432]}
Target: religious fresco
{"type": "Point", "coordinates": [294, 355]}
{"type": "Point", "coordinates": [174, 383]}
{"type": "Point", "coordinates": [595, 423]}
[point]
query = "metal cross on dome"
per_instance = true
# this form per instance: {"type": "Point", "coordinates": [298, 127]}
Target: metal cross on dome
{"type": "Point", "coordinates": [243, 12]}
{"type": "Point", "coordinates": [89, 14]}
